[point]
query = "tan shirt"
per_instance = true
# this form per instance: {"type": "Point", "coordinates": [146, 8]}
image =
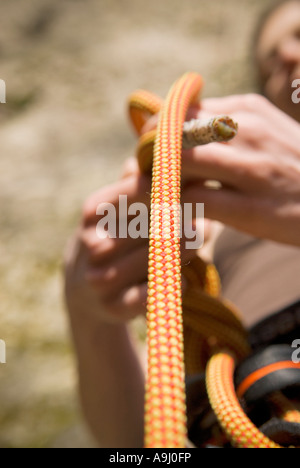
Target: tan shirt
{"type": "Point", "coordinates": [260, 277]}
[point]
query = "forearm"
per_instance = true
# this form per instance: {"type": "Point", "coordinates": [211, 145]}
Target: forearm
{"type": "Point", "coordinates": [111, 381]}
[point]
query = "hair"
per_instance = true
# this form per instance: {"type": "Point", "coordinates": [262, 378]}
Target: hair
{"type": "Point", "coordinates": [258, 32]}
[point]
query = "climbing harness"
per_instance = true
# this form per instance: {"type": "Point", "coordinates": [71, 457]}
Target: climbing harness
{"type": "Point", "coordinates": [198, 333]}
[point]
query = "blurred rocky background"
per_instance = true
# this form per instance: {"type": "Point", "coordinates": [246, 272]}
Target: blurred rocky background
{"type": "Point", "coordinates": [69, 66]}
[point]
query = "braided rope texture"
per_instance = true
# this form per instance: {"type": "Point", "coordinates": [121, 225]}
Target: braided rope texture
{"type": "Point", "coordinates": [237, 426]}
{"type": "Point", "coordinates": [165, 410]}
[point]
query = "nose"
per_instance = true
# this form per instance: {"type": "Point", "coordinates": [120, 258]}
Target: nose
{"type": "Point", "coordinates": [289, 51]}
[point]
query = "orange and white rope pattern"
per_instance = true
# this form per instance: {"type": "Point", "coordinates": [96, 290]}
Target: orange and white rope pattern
{"type": "Point", "coordinates": [165, 416]}
{"type": "Point", "coordinates": [220, 387]}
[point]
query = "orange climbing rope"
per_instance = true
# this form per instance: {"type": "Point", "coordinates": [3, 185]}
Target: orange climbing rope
{"type": "Point", "coordinates": [165, 418]}
{"type": "Point", "coordinates": [212, 332]}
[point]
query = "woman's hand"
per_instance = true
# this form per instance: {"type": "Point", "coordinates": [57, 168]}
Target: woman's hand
{"type": "Point", "coordinates": [259, 171]}
{"type": "Point", "coordinates": [108, 277]}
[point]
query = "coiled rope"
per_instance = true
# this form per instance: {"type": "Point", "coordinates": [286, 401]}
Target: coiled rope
{"type": "Point", "coordinates": [199, 330]}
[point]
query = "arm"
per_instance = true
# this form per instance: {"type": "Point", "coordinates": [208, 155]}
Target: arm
{"type": "Point", "coordinates": [100, 305]}
{"type": "Point", "coordinates": [111, 381]}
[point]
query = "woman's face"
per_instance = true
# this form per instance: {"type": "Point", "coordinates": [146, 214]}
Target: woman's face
{"type": "Point", "coordinates": [278, 55]}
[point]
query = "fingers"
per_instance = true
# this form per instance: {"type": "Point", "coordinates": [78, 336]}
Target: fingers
{"type": "Point", "coordinates": [252, 113]}
{"type": "Point", "coordinates": [243, 212]}
{"type": "Point", "coordinates": [254, 104]}
{"type": "Point", "coordinates": [152, 122]}
{"type": "Point", "coordinates": [135, 187]}
{"type": "Point", "coordinates": [106, 249]}
{"type": "Point", "coordinates": [129, 304]}
{"type": "Point", "coordinates": [117, 268]}
{"type": "Point", "coordinates": [126, 270]}
{"type": "Point", "coordinates": [130, 168]}
{"type": "Point", "coordinates": [123, 272]}
{"type": "Point", "coordinates": [237, 103]}
{"type": "Point", "coordinates": [219, 162]}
